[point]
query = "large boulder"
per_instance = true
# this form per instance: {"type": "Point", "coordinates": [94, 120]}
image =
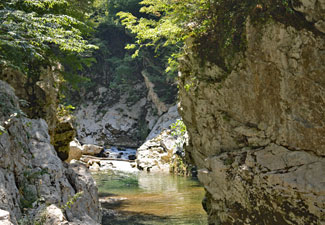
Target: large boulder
{"type": "Point", "coordinates": [155, 155]}
{"type": "Point", "coordinates": [75, 150]}
{"type": "Point", "coordinates": [159, 149]}
{"type": "Point", "coordinates": [90, 149]}
{"type": "Point", "coordinates": [164, 153]}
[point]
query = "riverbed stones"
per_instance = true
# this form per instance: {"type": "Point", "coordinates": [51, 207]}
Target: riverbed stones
{"type": "Point", "coordinates": [90, 149]}
{"type": "Point", "coordinates": [77, 150]}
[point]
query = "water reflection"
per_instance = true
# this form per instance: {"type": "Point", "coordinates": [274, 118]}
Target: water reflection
{"type": "Point", "coordinates": [150, 199]}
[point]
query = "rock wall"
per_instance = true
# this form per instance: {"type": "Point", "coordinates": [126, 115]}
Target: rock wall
{"type": "Point", "coordinates": [35, 185]}
{"type": "Point", "coordinates": [104, 121]}
{"type": "Point", "coordinates": [163, 150]}
{"type": "Point", "coordinates": [153, 96]}
{"type": "Point", "coordinates": [156, 153]}
{"type": "Point", "coordinates": [257, 132]}
{"type": "Point", "coordinates": [40, 96]}
{"type": "Point", "coordinates": [106, 118]}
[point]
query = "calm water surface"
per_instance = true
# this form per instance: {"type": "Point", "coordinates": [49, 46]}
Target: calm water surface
{"type": "Point", "coordinates": [153, 199]}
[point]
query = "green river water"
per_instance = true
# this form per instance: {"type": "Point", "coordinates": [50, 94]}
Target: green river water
{"type": "Point", "coordinates": [150, 199]}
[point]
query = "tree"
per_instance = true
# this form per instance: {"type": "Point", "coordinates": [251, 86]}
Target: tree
{"type": "Point", "coordinates": [40, 30]}
{"type": "Point", "coordinates": [216, 26]}
{"type": "Point", "coordinates": [171, 22]}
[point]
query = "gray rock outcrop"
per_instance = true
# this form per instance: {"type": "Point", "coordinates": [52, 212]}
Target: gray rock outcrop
{"type": "Point", "coordinates": [257, 132]}
{"type": "Point", "coordinates": [33, 180]}
{"type": "Point", "coordinates": [155, 155]}
{"type": "Point", "coordinates": [106, 116]}
{"type": "Point", "coordinates": [40, 97]}
{"type": "Point", "coordinates": [103, 122]}
{"type": "Point", "coordinates": [158, 152]}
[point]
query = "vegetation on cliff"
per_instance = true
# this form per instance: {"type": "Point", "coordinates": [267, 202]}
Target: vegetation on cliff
{"type": "Point", "coordinates": [115, 68]}
{"type": "Point", "coordinates": [216, 26]}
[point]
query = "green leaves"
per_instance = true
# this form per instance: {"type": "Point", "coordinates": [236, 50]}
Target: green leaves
{"type": "Point", "coordinates": [169, 23]}
{"type": "Point", "coordinates": [178, 128]}
{"type": "Point", "coordinates": [2, 130]}
{"type": "Point", "coordinates": [34, 28]}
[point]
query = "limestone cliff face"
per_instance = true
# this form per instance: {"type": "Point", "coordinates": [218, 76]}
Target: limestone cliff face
{"type": "Point", "coordinates": [105, 120]}
{"type": "Point", "coordinates": [257, 132]}
{"type": "Point", "coordinates": [160, 148]}
{"type": "Point", "coordinates": [35, 185]}
{"type": "Point", "coordinates": [106, 117]}
{"type": "Point", "coordinates": [41, 96]}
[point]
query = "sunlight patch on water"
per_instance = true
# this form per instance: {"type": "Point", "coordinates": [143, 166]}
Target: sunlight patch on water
{"type": "Point", "coordinates": [154, 199]}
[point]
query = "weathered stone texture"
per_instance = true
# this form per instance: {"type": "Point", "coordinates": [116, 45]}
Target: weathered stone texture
{"type": "Point", "coordinates": [41, 96]}
{"type": "Point", "coordinates": [101, 121]}
{"type": "Point", "coordinates": [33, 177]}
{"type": "Point", "coordinates": [257, 133]}
{"type": "Point", "coordinates": [155, 155]}
{"type": "Point", "coordinates": [160, 150]}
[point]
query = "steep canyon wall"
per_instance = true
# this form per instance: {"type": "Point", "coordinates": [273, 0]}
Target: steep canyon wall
{"type": "Point", "coordinates": [257, 132]}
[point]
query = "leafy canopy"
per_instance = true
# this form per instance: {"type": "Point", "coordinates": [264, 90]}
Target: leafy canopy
{"type": "Point", "coordinates": [217, 26]}
{"type": "Point", "coordinates": [38, 29]}
{"type": "Point", "coordinates": [171, 22]}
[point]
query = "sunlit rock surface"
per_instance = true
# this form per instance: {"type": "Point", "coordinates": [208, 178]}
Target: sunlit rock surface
{"type": "Point", "coordinates": [104, 121]}
{"type": "Point", "coordinates": [160, 148]}
{"type": "Point", "coordinates": [32, 177]}
{"type": "Point", "coordinates": [257, 132]}
{"type": "Point", "coordinates": [40, 98]}
{"type": "Point", "coordinates": [164, 122]}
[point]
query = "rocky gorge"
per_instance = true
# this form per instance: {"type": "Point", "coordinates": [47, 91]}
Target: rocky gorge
{"type": "Point", "coordinates": [43, 183]}
{"type": "Point", "coordinates": [106, 118]}
{"type": "Point", "coordinates": [249, 120]}
{"type": "Point", "coordinates": [256, 131]}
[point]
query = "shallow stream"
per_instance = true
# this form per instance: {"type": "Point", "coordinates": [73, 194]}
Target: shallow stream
{"type": "Point", "coordinates": [150, 199]}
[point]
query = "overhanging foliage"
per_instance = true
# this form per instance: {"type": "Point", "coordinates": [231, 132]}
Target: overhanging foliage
{"type": "Point", "coordinates": [37, 29]}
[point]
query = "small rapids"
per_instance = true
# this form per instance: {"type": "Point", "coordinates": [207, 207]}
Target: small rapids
{"type": "Point", "coordinates": [118, 153]}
